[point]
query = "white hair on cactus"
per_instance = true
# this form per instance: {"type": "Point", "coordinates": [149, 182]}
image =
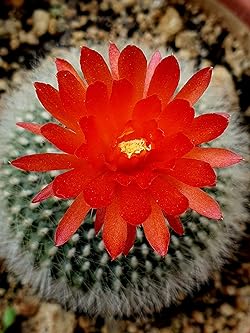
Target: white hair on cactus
{"type": "Point", "coordinates": [130, 291]}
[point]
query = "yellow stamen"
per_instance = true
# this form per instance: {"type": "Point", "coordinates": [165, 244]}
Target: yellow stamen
{"type": "Point", "coordinates": [135, 146]}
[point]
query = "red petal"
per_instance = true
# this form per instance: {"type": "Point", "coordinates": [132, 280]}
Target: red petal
{"type": "Point", "coordinates": [130, 239]}
{"type": "Point", "coordinates": [156, 231]}
{"type": "Point", "coordinates": [176, 146]}
{"type": "Point", "coordinates": [114, 54]}
{"type": "Point", "coordinates": [71, 183]}
{"type": "Point", "coordinates": [123, 179]}
{"type": "Point", "coordinates": [199, 200]}
{"type": "Point", "coordinates": [72, 95]}
{"type": "Point", "coordinates": [71, 221]}
{"type": "Point", "coordinates": [99, 219]}
{"type": "Point", "coordinates": [31, 127]}
{"type": "Point", "coordinates": [94, 67]}
{"type": "Point", "coordinates": [147, 109]}
{"type": "Point", "coordinates": [114, 231]}
{"type": "Point", "coordinates": [97, 101]}
{"type": "Point", "coordinates": [46, 162]}
{"type": "Point", "coordinates": [165, 79]}
{"type": "Point", "coordinates": [175, 224]}
{"type": "Point", "coordinates": [153, 63]}
{"type": "Point", "coordinates": [206, 127]}
{"type": "Point", "coordinates": [50, 99]}
{"type": "Point", "coordinates": [171, 148]}
{"type": "Point", "coordinates": [176, 117]}
{"type": "Point", "coordinates": [62, 138]}
{"type": "Point", "coordinates": [121, 103]}
{"type": "Point", "coordinates": [89, 128]}
{"type": "Point", "coordinates": [144, 178]}
{"type": "Point", "coordinates": [193, 172]}
{"type": "Point", "coordinates": [134, 204]}
{"type": "Point", "coordinates": [216, 157]}
{"type": "Point", "coordinates": [132, 65]}
{"type": "Point", "coordinates": [196, 86]}
{"type": "Point", "coordinates": [99, 192]}
{"type": "Point", "coordinates": [145, 129]}
{"type": "Point", "coordinates": [44, 194]}
{"type": "Point", "coordinates": [94, 149]}
{"type": "Point", "coordinates": [64, 65]}
{"type": "Point", "coordinates": [168, 197]}
{"type": "Point", "coordinates": [86, 153]}
{"type": "Point", "coordinates": [123, 163]}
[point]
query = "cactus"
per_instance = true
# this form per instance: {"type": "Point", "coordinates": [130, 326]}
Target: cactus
{"type": "Point", "coordinates": [80, 275]}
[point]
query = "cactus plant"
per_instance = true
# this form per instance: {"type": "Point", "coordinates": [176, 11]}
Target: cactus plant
{"type": "Point", "coordinates": [80, 274]}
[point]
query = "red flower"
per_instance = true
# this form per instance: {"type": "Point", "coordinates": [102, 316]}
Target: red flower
{"type": "Point", "coordinates": [131, 147]}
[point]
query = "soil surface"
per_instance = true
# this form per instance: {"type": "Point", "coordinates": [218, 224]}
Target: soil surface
{"type": "Point", "coordinates": [28, 31]}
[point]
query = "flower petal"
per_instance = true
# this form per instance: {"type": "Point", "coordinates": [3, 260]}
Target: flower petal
{"type": "Point", "coordinates": [63, 138]}
{"type": "Point", "coordinates": [176, 117]}
{"type": "Point", "coordinates": [97, 101]}
{"type": "Point", "coordinates": [169, 149]}
{"type": "Point", "coordinates": [216, 157]}
{"type": "Point", "coordinates": [72, 95]}
{"type": "Point", "coordinates": [165, 79]}
{"type": "Point", "coordinates": [71, 221]}
{"type": "Point", "coordinates": [134, 204]}
{"type": "Point", "coordinates": [206, 127]}
{"type": "Point", "coordinates": [46, 162]}
{"type": "Point", "coordinates": [168, 197]}
{"type": "Point", "coordinates": [144, 178]}
{"type": "Point", "coordinates": [131, 235]}
{"type": "Point", "coordinates": [193, 172]}
{"type": "Point", "coordinates": [100, 192]}
{"type": "Point", "coordinates": [153, 63]}
{"type": "Point", "coordinates": [94, 67]}
{"type": "Point", "coordinates": [94, 158]}
{"type": "Point", "coordinates": [196, 86]}
{"type": "Point", "coordinates": [114, 54]}
{"type": "Point", "coordinates": [93, 150]}
{"type": "Point", "coordinates": [145, 129]}
{"type": "Point", "coordinates": [64, 65]}
{"type": "Point", "coordinates": [123, 179]}
{"type": "Point", "coordinates": [176, 146]}
{"type": "Point", "coordinates": [99, 219]}
{"type": "Point", "coordinates": [44, 194]}
{"type": "Point", "coordinates": [199, 200]}
{"type": "Point", "coordinates": [156, 230]}
{"type": "Point", "coordinates": [147, 109]}
{"type": "Point", "coordinates": [89, 128]}
{"type": "Point", "coordinates": [71, 183]}
{"type": "Point", "coordinates": [175, 224]}
{"type": "Point", "coordinates": [50, 99]}
{"type": "Point", "coordinates": [121, 103]}
{"type": "Point", "coordinates": [132, 65]}
{"type": "Point", "coordinates": [31, 127]}
{"type": "Point", "coordinates": [114, 231]}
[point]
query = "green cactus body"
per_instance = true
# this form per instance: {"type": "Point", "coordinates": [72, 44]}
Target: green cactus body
{"type": "Point", "coordinates": [80, 274]}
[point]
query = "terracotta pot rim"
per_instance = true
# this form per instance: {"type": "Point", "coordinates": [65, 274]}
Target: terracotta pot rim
{"type": "Point", "coordinates": [240, 8]}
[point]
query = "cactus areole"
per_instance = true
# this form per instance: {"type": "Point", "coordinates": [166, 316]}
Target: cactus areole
{"type": "Point", "coordinates": [131, 147]}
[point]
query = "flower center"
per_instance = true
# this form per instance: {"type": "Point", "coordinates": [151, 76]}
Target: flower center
{"type": "Point", "coordinates": [135, 146]}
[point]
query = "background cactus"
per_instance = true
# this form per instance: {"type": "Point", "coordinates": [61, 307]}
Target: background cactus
{"type": "Point", "coordinates": [80, 274]}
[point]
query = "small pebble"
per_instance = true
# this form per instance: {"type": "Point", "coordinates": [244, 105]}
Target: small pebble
{"type": "Point", "coordinates": [40, 19]}
{"type": "Point", "coordinates": [227, 310]}
{"type": "Point", "coordinates": [198, 317]}
{"type": "Point", "coordinates": [170, 24]}
{"type": "Point", "coordinates": [3, 85]}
